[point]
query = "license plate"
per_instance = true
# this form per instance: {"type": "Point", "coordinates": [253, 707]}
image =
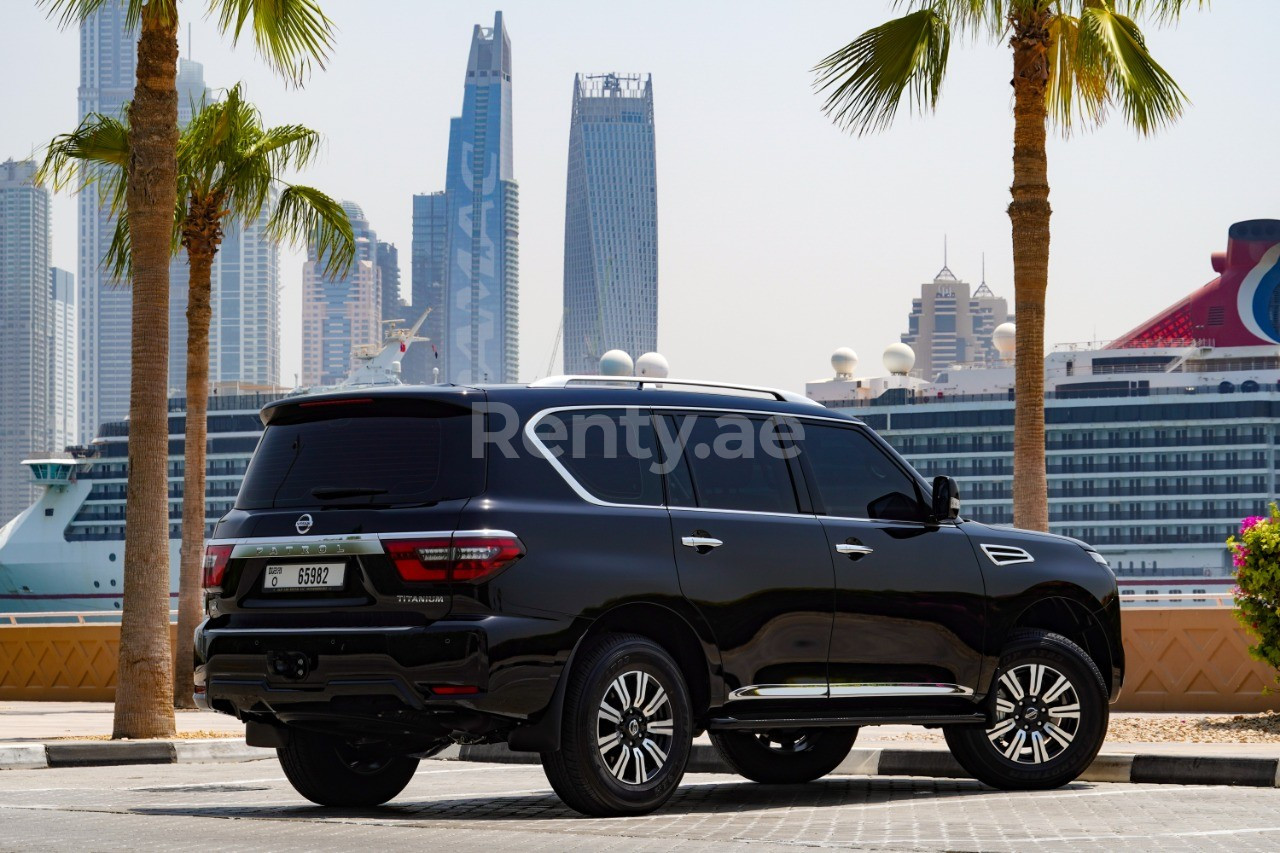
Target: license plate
{"type": "Point", "coordinates": [296, 576]}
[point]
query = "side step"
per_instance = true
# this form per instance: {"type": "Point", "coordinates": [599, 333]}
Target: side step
{"type": "Point", "coordinates": [792, 721]}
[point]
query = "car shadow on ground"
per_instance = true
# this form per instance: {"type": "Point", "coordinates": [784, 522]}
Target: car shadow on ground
{"type": "Point", "coordinates": [692, 798]}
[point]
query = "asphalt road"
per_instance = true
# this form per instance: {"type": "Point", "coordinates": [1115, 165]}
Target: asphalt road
{"type": "Point", "coordinates": [492, 807]}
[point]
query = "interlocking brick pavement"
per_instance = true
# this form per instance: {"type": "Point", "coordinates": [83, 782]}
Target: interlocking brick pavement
{"type": "Point", "coordinates": [510, 807]}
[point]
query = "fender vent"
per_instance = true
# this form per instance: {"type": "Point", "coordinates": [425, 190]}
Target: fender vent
{"type": "Point", "coordinates": [1007, 555]}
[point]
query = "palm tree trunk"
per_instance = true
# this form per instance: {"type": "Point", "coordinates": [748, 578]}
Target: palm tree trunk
{"type": "Point", "coordinates": [199, 312]}
{"type": "Point", "coordinates": [1029, 214]}
{"type": "Point", "coordinates": [144, 707]}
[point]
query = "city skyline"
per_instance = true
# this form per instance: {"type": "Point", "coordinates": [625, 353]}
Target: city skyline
{"type": "Point", "coordinates": [340, 313]}
{"type": "Point", "coordinates": [874, 207]}
{"type": "Point", "coordinates": [611, 221]}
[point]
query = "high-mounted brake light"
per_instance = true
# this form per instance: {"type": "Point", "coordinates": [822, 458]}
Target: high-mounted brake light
{"type": "Point", "coordinates": [216, 558]}
{"type": "Point", "coordinates": [453, 558]}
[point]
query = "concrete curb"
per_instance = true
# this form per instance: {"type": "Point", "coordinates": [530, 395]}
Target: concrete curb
{"type": "Point", "coordinates": [938, 764]}
{"type": "Point", "coordinates": [932, 763]}
{"type": "Point", "coordinates": [24, 756]}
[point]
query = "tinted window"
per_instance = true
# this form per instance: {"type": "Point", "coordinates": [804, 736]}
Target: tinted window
{"type": "Point", "coordinates": [731, 466]}
{"type": "Point", "coordinates": [610, 452]}
{"type": "Point", "coordinates": [365, 459]}
{"type": "Point", "coordinates": [856, 478]}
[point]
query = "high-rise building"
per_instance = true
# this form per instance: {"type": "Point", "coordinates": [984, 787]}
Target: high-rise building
{"type": "Point", "coordinates": [949, 325]}
{"type": "Point", "coordinates": [611, 221]}
{"type": "Point", "coordinates": [108, 59]}
{"type": "Point", "coordinates": [25, 331]}
{"type": "Point", "coordinates": [192, 95]}
{"type": "Point", "coordinates": [63, 345]}
{"type": "Point", "coordinates": [427, 277]}
{"type": "Point", "coordinates": [340, 314]}
{"type": "Point", "coordinates": [478, 338]}
{"type": "Point", "coordinates": [387, 258]}
{"type": "Point", "coordinates": [244, 334]}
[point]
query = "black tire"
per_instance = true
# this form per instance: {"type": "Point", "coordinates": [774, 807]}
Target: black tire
{"type": "Point", "coordinates": [1066, 744]}
{"type": "Point", "coordinates": [785, 757]}
{"type": "Point", "coordinates": [332, 772]}
{"type": "Point", "coordinates": [601, 777]}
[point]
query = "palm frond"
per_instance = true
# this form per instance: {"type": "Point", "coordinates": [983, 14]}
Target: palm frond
{"type": "Point", "coordinates": [867, 79]}
{"type": "Point", "coordinates": [290, 34]}
{"type": "Point", "coordinates": [1113, 44]}
{"type": "Point", "coordinates": [1077, 89]}
{"type": "Point", "coordinates": [306, 215]}
{"type": "Point", "coordinates": [1161, 11]}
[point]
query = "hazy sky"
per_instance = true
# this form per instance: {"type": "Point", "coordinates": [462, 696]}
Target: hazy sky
{"type": "Point", "coordinates": [780, 238]}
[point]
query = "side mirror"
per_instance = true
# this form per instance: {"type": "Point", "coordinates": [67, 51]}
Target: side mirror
{"type": "Point", "coordinates": [946, 499]}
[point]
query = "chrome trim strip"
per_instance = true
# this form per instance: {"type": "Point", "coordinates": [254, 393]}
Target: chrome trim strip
{"type": "Point", "coordinates": [330, 546]}
{"type": "Point", "coordinates": [531, 436]}
{"type": "Point", "coordinates": [845, 691]}
{"type": "Point", "coordinates": [1006, 555]}
{"type": "Point", "coordinates": [780, 691]}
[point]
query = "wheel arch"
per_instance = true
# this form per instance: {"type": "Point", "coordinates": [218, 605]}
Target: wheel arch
{"type": "Point", "coordinates": [693, 654]}
{"type": "Point", "coordinates": [1074, 620]}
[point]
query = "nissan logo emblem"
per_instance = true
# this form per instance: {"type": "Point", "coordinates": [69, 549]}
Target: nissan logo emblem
{"type": "Point", "coordinates": [303, 524]}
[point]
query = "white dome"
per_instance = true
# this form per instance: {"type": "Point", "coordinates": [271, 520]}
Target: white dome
{"type": "Point", "coordinates": [844, 361]}
{"type": "Point", "coordinates": [616, 363]}
{"type": "Point", "coordinates": [899, 359]}
{"type": "Point", "coordinates": [653, 365]}
{"type": "Point", "coordinates": [1003, 338]}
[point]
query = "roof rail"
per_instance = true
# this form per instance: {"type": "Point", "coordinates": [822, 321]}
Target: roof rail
{"type": "Point", "coordinates": [641, 381]}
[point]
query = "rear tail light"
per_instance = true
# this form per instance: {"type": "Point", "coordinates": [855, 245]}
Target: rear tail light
{"type": "Point", "coordinates": [453, 558]}
{"type": "Point", "coordinates": [216, 558]}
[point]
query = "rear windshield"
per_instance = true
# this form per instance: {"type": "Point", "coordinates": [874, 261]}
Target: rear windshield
{"type": "Point", "coordinates": [353, 457]}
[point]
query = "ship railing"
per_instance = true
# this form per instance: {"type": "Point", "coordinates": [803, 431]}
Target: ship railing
{"type": "Point", "coordinates": [68, 617]}
{"type": "Point", "coordinates": [1183, 599]}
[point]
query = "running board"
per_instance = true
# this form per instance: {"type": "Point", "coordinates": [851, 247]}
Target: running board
{"type": "Point", "coordinates": [791, 721]}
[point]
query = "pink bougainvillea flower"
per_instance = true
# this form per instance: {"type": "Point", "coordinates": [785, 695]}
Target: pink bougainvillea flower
{"type": "Point", "coordinates": [1248, 523]}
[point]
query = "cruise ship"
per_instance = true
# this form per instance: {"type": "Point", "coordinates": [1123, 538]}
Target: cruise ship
{"type": "Point", "coordinates": [1157, 444]}
{"type": "Point", "coordinates": [65, 552]}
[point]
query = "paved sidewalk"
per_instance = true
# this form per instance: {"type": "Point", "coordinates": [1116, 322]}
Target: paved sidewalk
{"type": "Point", "coordinates": [28, 722]}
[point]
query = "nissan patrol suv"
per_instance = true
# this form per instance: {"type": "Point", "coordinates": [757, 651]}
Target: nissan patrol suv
{"type": "Point", "coordinates": [599, 570]}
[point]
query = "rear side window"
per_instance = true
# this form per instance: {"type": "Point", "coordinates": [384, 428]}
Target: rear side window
{"type": "Point", "coordinates": [610, 452]}
{"type": "Point", "coordinates": [857, 479]}
{"type": "Point", "coordinates": [734, 462]}
{"type": "Point", "coordinates": [355, 456]}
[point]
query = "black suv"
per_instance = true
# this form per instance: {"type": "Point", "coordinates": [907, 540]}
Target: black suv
{"type": "Point", "coordinates": [601, 570]}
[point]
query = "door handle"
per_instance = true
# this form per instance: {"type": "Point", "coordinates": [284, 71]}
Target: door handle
{"type": "Point", "coordinates": [701, 544]}
{"type": "Point", "coordinates": [853, 551]}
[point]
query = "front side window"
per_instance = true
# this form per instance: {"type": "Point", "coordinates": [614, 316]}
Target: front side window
{"type": "Point", "coordinates": [734, 462]}
{"type": "Point", "coordinates": [610, 452]}
{"type": "Point", "coordinates": [856, 478]}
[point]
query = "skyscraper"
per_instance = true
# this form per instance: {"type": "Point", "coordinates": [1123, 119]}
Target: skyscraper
{"type": "Point", "coordinates": [64, 339]}
{"type": "Point", "coordinates": [611, 221]}
{"type": "Point", "coordinates": [427, 278]}
{"type": "Point", "coordinates": [192, 95]}
{"type": "Point", "coordinates": [25, 330]}
{"type": "Point", "coordinates": [244, 333]}
{"type": "Point", "coordinates": [339, 314]}
{"type": "Point", "coordinates": [479, 307]}
{"type": "Point", "coordinates": [387, 258]}
{"type": "Point", "coordinates": [108, 59]}
{"type": "Point", "coordinates": [949, 325]}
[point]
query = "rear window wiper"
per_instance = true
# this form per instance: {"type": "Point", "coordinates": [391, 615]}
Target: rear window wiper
{"type": "Point", "coordinates": [326, 493]}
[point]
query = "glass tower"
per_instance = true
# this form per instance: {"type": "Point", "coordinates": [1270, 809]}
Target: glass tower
{"type": "Point", "coordinates": [108, 59]}
{"type": "Point", "coordinates": [611, 221]}
{"type": "Point", "coordinates": [478, 310]}
{"type": "Point", "coordinates": [340, 314]}
{"type": "Point", "coordinates": [26, 326]}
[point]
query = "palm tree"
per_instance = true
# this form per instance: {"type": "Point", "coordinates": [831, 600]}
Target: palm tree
{"type": "Point", "coordinates": [1073, 61]}
{"type": "Point", "coordinates": [229, 167]}
{"type": "Point", "coordinates": [290, 34]}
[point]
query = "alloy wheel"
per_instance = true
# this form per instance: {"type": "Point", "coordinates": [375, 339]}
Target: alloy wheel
{"type": "Point", "coordinates": [1037, 714]}
{"type": "Point", "coordinates": [635, 727]}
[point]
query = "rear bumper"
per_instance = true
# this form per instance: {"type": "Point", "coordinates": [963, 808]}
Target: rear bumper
{"type": "Point", "coordinates": [412, 679]}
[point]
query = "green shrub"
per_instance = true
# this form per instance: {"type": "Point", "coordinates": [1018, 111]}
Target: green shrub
{"type": "Point", "coordinates": [1256, 555]}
